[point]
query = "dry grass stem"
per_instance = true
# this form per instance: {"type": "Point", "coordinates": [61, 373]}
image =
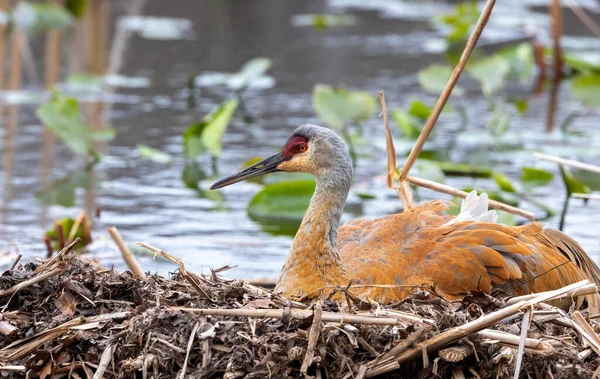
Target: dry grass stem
{"type": "Point", "coordinates": [588, 289]}
{"type": "Point", "coordinates": [568, 162]}
{"type": "Point", "coordinates": [462, 194]}
{"type": "Point", "coordinates": [437, 109]}
{"type": "Point", "coordinates": [50, 262]}
{"type": "Point", "coordinates": [586, 331]}
{"type": "Point", "coordinates": [522, 340]}
{"type": "Point", "coordinates": [105, 359]}
{"type": "Point", "coordinates": [36, 279]}
{"type": "Point", "coordinates": [189, 348]}
{"type": "Point", "coordinates": [584, 17]}
{"type": "Point", "coordinates": [556, 32]}
{"type": "Point", "coordinates": [128, 256]}
{"type": "Point", "coordinates": [510, 340]}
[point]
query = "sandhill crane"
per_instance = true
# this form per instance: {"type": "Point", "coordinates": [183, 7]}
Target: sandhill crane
{"type": "Point", "coordinates": [454, 255]}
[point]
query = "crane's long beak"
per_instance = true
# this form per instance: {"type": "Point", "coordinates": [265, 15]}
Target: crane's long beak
{"type": "Point", "coordinates": [263, 167]}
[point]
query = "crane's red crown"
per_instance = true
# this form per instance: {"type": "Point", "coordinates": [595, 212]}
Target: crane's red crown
{"type": "Point", "coordinates": [295, 145]}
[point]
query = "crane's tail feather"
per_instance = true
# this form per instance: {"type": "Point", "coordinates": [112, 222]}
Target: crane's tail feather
{"type": "Point", "coordinates": [575, 253]}
{"type": "Point", "coordinates": [475, 208]}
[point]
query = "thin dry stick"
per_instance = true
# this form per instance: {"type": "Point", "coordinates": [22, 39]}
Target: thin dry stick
{"type": "Point", "coordinates": [522, 340]}
{"type": "Point", "coordinates": [584, 17]}
{"type": "Point", "coordinates": [58, 256]}
{"type": "Point", "coordinates": [392, 174]}
{"type": "Point", "coordinates": [556, 31]}
{"type": "Point", "coordinates": [568, 162]}
{"type": "Point", "coordinates": [313, 337]}
{"type": "Point", "coordinates": [128, 256]}
{"type": "Point", "coordinates": [76, 225]}
{"type": "Point", "coordinates": [298, 314]}
{"type": "Point", "coordinates": [30, 282]}
{"type": "Point", "coordinates": [582, 291]}
{"type": "Point", "coordinates": [191, 278]}
{"type": "Point", "coordinates": [399, 348]}
{"type": "Point", "coordinates": [455, 192]}
{"type": "Point", "coordinates": [454, 334]}
{"type": "Point", "coordinates": [437, 109]}
{"type": "Point", "coordinates": [107, 356]}
{"type": "Point", "coordinates": [511, 340]}
{"type": "Point", "coordinates": [189, 348]}
{"type": "Point", "coordinates": [16, 261]}
{"type": "Point", "coordinates": [586, 331]}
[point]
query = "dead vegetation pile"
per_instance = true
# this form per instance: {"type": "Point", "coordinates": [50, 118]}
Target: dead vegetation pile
{"type": "Point", "coordinates": [70, 317]}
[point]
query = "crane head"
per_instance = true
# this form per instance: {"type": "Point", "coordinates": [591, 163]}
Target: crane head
{"type": "Point", "coordinates": [311, 149]}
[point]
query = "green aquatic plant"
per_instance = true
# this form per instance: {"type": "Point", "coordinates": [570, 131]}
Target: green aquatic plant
{"type": "Point", "coordinates": [409, 120]}
{"type": "Point", "coordinates": [154, 155]}
{"type": "Point", "coordinates": [62, 116]}
{"type": "Point", "coordinates": [62, 192]}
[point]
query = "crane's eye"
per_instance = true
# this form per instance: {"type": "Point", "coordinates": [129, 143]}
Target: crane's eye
{"type": "Point", "coordinates": [302, 148]}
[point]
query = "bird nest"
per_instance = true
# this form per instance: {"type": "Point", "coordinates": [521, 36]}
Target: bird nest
{"type": "Point", "coordinates": [70, 317]}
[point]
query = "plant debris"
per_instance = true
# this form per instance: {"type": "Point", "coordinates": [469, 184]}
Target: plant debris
{"type": "Point", "coordinates": [71, 317]}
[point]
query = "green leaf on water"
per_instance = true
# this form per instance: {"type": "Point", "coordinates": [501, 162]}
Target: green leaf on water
{"type": "Point", "coordinates": [285, 201]}
{"type": "Point", "coordinates": [62, 192]}
{"type": "Point", "coordinates": [491, 72]}
{"type": "Point", "coordinates": [49, 15]}
{"type": "Point", "coordinates": [506, 218]}
{"type": "Point", "coordinates": [206, 135]}
{"type": "Point", "coordinates": [419, 109]}
{"type": "Point", "coordinates": [338, 107]}
{"type": "Point", "coordinates": [585, 63]}
{"type": "Point", "coordinates": [460, 21]}
{"type": "Point", "coordinates": [430, 170]}
{"type": "Point", "coordinates": [433, 78]}
{"type": "Point", "coordinates": [323, 21]}
{"type": "Point", "coordinates": [586, 88]}
{"type": "Point", "coordinates": [76, 7]}
{"type": "Point", "coordinates": [153, 154]}
{"type": "Point", "coordinates": [535, 177]}
{"type": "Point", "coordinates": [504, 182]}
{"type": "Point", "coordinates": [464, 169]}
{"type": "Point", "coordinates": [62, 116]}
{"type": "Point", "coordinates": [571, 183]}
{"type": "Point", "coordinates": [521, 105]}
{"type": "Point", "coordinates": [588, 178]}
{"type": "Point", "coordinates": [250, 71]}
{"type": "Point", "coordinates": [192, 175]}
{"type": "Point", "coordinates": [406, 123]}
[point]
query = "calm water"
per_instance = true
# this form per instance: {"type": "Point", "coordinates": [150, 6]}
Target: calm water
{"type": "Point", "coordinates": [148, 201]}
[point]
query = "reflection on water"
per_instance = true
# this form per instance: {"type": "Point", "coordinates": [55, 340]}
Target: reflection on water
{"type": "Point", "coordinates": [150, 202]}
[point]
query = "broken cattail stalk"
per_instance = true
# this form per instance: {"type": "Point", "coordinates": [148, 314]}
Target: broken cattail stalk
{"type": "Point", "coordinates": [128, 256]}
{"type": "Point", "coordinates": [582, 291]}
{"type": "Point", "coordinates": [76, 225]}
{"type": "Point", "coordinates": [586, 330]}
{"type": "Point", "coordinates": [50, 262]}
{"type": "Point", "coordinates": [299, 314]}
{"type": "Point", "coordinates": [392, 171]}
{"type": "Point", "coordinates": [458, 193]}
{"type": "Point", "coordinates": [556, 32]}
{"type": "Point", "coordinates": [437, 109]}
{"type": "Point", "coordinates": [454, 334]}
{"type": "Point", "coordinates": [313, 337]}
{"type": "Point", "coordinates": [568, 162]}
{"type": "Point", "coordinates": [512, 341]}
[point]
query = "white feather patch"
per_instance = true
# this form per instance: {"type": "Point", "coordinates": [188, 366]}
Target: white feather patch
{"type": "Point", "coordinates": [475, 208]}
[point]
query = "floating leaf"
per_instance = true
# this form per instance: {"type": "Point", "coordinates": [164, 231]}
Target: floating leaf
{"type": "Point", "coordinates": [588, 178]}
{"type": "Point", "coordinates": [464, 16]}
{"type": "Point", "coordinates": [206, 135]}
{"type": "Point", "coordinates": [521, 105]}
{"type": "Point", "coordinates": [282, 202]}
{"type": "Point", "coordinates": [506, 218]}
{"type": "Point", "coordinates": [419, 110]}
{"type": "Point", "coordinates": [521, 60]}
{"type": "Point", "coordinates": [571, 183]}
{"type": "Point", "coordinates": [430, 170]}
{"type": "Point", "coordinates": [434, 78]}
{"type": "Point", "coordinates": [504, 182]}
{"type": "Point", "coordinates": [409, 127]}
{"type": "Point", "coordinates": [62, 192]}
{"type": "Point", "coordinates": [153, 154]}
{"type": "Point", "coordinates": [535, 177]}
{"type": "Point", "coordinates": [323, 21]}
{"type": "Point", "coordinates": [586, 88]}
{"type": "Point", "coordinates": [338, 107]}
{"type": "Point", "coordinates": [490, 72]}
{"type": "Point", "coordinates": [192, 175]}
{"type": "Point", "coordinates": [61, 115]}
{"type": "Point", "coordinates": [585, 63]}
{"type": "Point", "coordinates": [76, 7]}
{"type": "Point", "coordinates": [463, 169]}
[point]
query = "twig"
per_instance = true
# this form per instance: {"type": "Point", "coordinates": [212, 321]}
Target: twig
{"type": "Point", "coordinates": [522, 340]}
{"type": "Point", "coordinates": [191, 278]}
{"type": "Point", "coordinates": [76, 225]}
{"type": "Point", "coordinates": [458, 193]}
{"type": "Point", "coordinates": [392, 173]}
{"type": "Point", "coordinates": [437, 109]}
{"type": "Point", "coordinates": [16, 261]}
{"type": "Point", "coordinates": [399, 348]}
{"type": "Point", "coordinates": [556, 31]}
{"type": "Point", "coordinates": [586, 331]}
{"type": "Point", "coordinates": [54, 259]}
{"type": "Point", "coordinates": [568, 162]}
{"type": "Point", "coordinates": [510, 340]}
{"type": "Point", "coordinates": [584, 17]}
{"type": "Point", "coordinates": [105, 359]}
{"type": "Point", "coordinates": [128, 256]}
{"type": "Point", "coordinates": [459, 332]}
{"type": "Point", "coordinates": [313, 337]}
{"type": "Point", "coordinates": [582, 291]}
{"type": "Point", "coordinates": [189, 348]}
{"type": "Point", "coordinates": [30, 282]}
{"type": "Point", "coordinates": [299, 314]}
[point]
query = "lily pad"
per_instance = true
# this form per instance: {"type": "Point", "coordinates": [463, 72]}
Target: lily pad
{"type": "Point", "coordinates": [434, 78]}
{"type": "Point", "coordinates": [491, 72]}
{"type": "Point", "coordinates": [406, 123]}
{"type": "Point", "coordinates": [504, 183]}
{"type": "Point", "coordinates": [192, 175]}
{"type": "Point", "coordinates": [282, 202]}
{"type": "Point", "coordinates": [206, 135]}
{"type": "Point", "coordinates": [535, 177]}
{"type": "Point", "coordinates": [338, 107]}
{"type": "Point", "coordinates": [571, 183]}
{"type": "Point", "coordinates": [62, 192]}
{"type": "Point", "coordinates": [153, 154]}
{"type": "Point", "coordinates": [588, 178]}
{"type": "Point", "coordinates": [586, 88]}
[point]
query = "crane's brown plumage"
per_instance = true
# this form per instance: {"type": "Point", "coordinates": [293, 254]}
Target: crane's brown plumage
{"type": "Point", "coordinates": [389, 256]}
